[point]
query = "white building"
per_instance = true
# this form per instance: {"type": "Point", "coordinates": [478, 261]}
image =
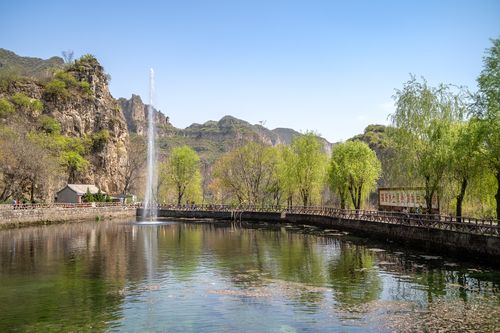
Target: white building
{"type": "Point", "coordinates": [72, 193]}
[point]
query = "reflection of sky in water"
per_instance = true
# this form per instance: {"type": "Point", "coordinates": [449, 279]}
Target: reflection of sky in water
{"type": "Point", "coordinates": [179, 277]}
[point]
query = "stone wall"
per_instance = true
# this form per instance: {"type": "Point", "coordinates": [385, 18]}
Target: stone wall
{"type": "Point", "coordinates": [464, 245]}
{"type": "Point", "coordinates": [11, 218]}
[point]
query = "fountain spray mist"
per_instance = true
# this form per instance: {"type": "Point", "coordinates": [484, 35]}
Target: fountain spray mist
{"type": "Point", "coordinates": [150, 196]}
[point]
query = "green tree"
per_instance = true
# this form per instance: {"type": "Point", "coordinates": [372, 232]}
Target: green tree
{"type": "Point", "coordinates": [488, 112]}
{"type": "Point", "coordinates": [422, 132]}
{"type": "Point", "coordinates": [307, 166]}
{"type": "Point", "coordinates": [286, 174]}
{"type": "Point", "coordinates": [74, 164]}
{"type": "Point", "coordinates": [465, 159]}
{"type": "Point", "coordinates": [99, 196]}
{"type": "Point", "coordinates": [354, 170]}
{"type": "Point", "coordinates": [248, 173]}
{"type": "Point", "coordinates": [183, 171]}
{"type": "Point", "coordinates": [338, 174]}
{"type": "Point", "coordinates": [88, 197]}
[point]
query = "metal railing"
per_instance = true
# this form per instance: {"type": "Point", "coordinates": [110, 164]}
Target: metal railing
{"type": "Point", "coordinates": [430, 221]}
{"type": "Point", "coordinates": [29, 206]}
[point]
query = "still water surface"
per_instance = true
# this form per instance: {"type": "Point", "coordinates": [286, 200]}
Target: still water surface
{"type": "Point", "coordinates": [202, 277]}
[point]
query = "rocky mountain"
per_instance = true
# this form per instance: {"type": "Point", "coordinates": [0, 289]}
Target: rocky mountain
{"type": "Point", "coordinates": [210, 139]}
{"type": "Point", "coordinates": [94, 113]}
{"type": "Point", "coordinates": [73, 117]}
{"type": "Point", "coordinates": [136, 115]}
{"type": "Point", "coordinates": [65, 114]}
{"type": "Point", "coordinates": [28, 66]}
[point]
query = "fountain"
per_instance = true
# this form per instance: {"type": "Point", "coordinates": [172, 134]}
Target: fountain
{"type": "Point", "coordinates": [150, 208]}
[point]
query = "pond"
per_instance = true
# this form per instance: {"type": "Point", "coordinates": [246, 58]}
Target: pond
{"type": "Point", "coordinates": [219, 277]}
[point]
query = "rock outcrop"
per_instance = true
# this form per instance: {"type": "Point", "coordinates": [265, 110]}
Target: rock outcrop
{"type": "Point", "coordinates": [96, 111]}
{"type": "Point", "coordinates": [136, 115]}
{"type": "Point", "coordinates": [78, 98]}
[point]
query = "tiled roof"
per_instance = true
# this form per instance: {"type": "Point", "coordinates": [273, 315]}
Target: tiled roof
{"type": "Point", "coordinates": [82, 188]}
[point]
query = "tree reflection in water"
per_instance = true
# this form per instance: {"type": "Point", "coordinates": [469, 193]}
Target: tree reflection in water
{"type": "Point", "coordinates": [100, 276]}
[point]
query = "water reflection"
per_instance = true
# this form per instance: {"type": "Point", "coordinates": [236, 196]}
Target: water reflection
{"type": "Point", "coordinates": [213, 277]}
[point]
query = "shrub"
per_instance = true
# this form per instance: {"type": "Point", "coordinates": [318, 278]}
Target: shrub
{"type": "Point", "coordinates": [37, 105]}
{"type": "Point", "coordinates": [67, 78]}
{"type": "Point", "coordinates": [87, 58]}
{"type": "Point", "coordinates": [49, 125]}
{"type": "Point", "coordinates": [99, 196]}
{"type": "Point", "coordinates": [21, 100]}
{"type": "Point", "coordinates": [88, 197]}
{"type": "Point", "coordinates": [85, 86]}
{"type": "Point", "coordinates": [6, 108]}
{"type": "Point", "coordinates": [8, 75]}
{"type": "Point", "coordinates": [57, 88]}
{"type": "Point", "coordinates": [99, 139]}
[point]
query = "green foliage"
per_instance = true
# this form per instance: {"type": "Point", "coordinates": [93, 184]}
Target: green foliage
{"type": "Point", "coordinates": [99, 196]}
{"type": "Point", "coordinates": [83, 62]}
{"type": "Point", "coordinates": [67, 78]}
{"type": "Point", "coordinates": [85, 86]}
{"type": "Point", "coordinates": [422, 135]}
{"type": "Point", "coordinates": [99, 139]}
{"type": "Point", "coordinates": [7, 76]}
{"type": "Point", "coordinates": [6, 108]}
{"type": "Point", "coordinates": [489, 82]}
{"type": "Point", "coordinates": [488, 113]}
{"type": "Point", "coordinates": [74, 163]}
{"type": "Point", "coordinates": [308, 166]}
{"type": "Point", "coordinates": [88, 197]}
{"type": "Point", "coordinates": [246, 174]}
{"type": "Point", "coordinates": [64, 83]}
{"type": "Point", "coordinates": [182, 172]}
{"type": "Point", "coordinates": [26, 104]}
{"type": "Point", "coordinates": [20, 100]}
{"type": "Point", "coordinates": [465, 160]}
{"type": "Point", "coordinates": [49, 125]}
{"type": "Point", "coordinates": [286, 173]}
{"type": "Point", "coordinates": [37, 105]}
{"type": "Point", "coordinates": [57, 88]}
{"type": "Point", "coordinates": [87, 58]}
{"type": "Point", "coordinates": [354, 170]}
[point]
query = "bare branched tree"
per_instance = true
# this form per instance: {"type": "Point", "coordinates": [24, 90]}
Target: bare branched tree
{"type": "Point", "coordinates": [135, 162]}
{"type": "Point", "coordinates": [68, 56]}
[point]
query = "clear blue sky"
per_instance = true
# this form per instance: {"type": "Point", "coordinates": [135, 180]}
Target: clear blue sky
{"type": "Point", "coordinates": [328, 66]}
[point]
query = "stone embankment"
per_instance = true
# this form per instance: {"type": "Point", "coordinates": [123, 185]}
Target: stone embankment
{"type": "Point", "coordinates": [480, 242]}
{"type": "Point", "coordinates": [28, 215]}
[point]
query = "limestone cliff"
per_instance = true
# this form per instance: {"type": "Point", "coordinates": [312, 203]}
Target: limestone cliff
{"type": "Point", "coordinates": [136, 115]}
{"type": "Point", "coordinates": [210, 139]}
{"type": "Point", "coordinates": [86, 114]}
{"type": "Point", "coordinates": [77, 97]}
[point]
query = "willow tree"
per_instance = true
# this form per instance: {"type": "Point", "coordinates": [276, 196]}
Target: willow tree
{"type": "Point", "coordinates": [247, 173]}
{"type": "Point", "coordinates": [307, 166]}
{"type": "Point", "coordinates": [466, 161]}
{"type": "Point", "coordinates": [422, 135]}
{"type": "Point", "coordinates": [354, 171]}
{"type": "Point", "coordinates": [488, 112]}
{"type": "Point", "coordinates": [286, 174]}
{"type": "Point", "coordinates": [182, 172]}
